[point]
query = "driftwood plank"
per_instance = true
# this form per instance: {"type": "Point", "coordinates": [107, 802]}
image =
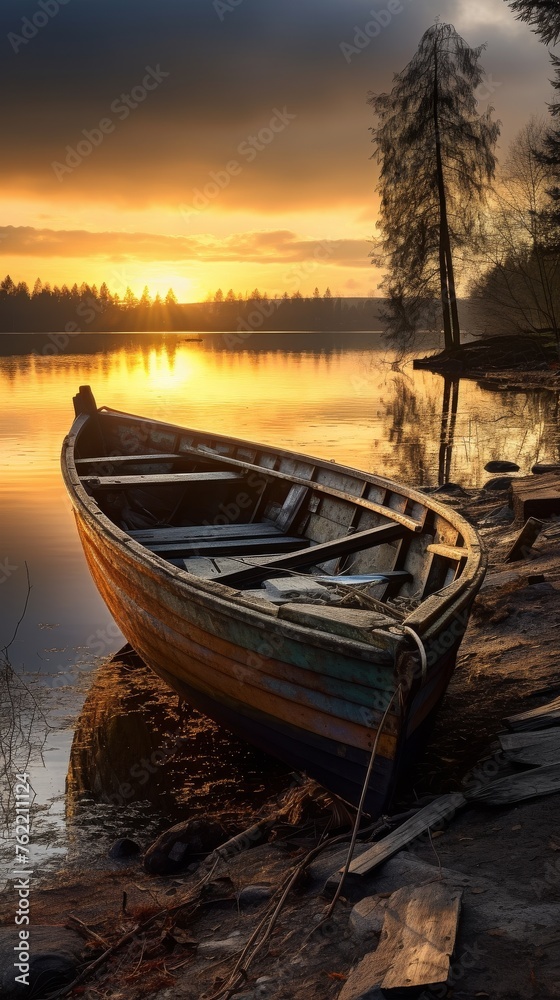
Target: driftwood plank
{"type": "Point", "coordinates": [536, 718]}
{"type": "Point", "coordinates": [416, 944]}
{"type": "Point", "coordinates": [319, 553]}
{"type": "Point", "coordinates": [442, 809]}
{"type": "Point", "coordinates": [525, 540]}
{"type": "Point", "coordinates": [419, 930]}
{"type": "Point", "coordinates": [519, 787]}
{"type": "Point", "coordinates": [536, 497]}
{"type": "Point", "coordinates": [524, 740]}
{"type": "Point", "coordinates": [536, 756]}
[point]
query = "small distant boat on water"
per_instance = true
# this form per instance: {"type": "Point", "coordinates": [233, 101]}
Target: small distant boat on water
{"type": "Point", "coordinates": [311, 608]}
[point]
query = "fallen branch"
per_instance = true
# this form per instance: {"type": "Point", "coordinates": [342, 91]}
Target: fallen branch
{"type": "Point", "coordinates": [86, 931]}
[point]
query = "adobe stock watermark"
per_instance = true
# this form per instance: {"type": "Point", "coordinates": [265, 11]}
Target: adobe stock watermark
{"type": "Point", "coordinates": [7, 570]}
{"type": "Point", "coordinates": [249, 149]}
{"type": "Point", "coordinates": [31, 26]}
{"type": "Point", "coordinates": [122, 107]}
{"type": "Point", "coordinates": [223, 7]}
{"type": "Point", "coordinates": [380, 19]}
{"type": "Point", "coordinates": [22, 875]}
{"type": "Point", "coordinates": [487, 88]}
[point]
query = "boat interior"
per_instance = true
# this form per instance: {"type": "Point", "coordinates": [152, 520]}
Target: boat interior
{"type": "Point", "coordinates": [276, 527]}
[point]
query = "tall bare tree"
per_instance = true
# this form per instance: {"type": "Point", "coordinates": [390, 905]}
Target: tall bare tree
{"type": "Point", "coordinates": [437, 162]}
{"type": "Point", "coordinates": [543, 16]}
{"type": "Point", "coordinates": [520, 285]}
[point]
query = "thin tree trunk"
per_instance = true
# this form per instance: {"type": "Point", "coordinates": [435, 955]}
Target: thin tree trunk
{"type": "Point", "coordinates": [447, 329]}
{"type": "Point", "coordinates": [453, 295]}
{"type": "Point", "coordinates": [447, 278]}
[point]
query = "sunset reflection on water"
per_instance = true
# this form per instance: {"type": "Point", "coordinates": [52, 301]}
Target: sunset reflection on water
{"type": "Point", "coordinates": [333, 396]}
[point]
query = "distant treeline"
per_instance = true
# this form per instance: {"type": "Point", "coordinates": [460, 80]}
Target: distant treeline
{"type": "Point", "coordinates": [74, 310]}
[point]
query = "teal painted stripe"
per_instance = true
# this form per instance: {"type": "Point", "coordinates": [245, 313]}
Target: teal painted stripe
{"type": "Point", "coordinates": [337, 706]}
{"type": "Point", "coordinates": [269, 642]}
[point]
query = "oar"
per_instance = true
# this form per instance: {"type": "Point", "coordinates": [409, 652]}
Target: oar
{"type": "Point", "coordinates": [354, 581]}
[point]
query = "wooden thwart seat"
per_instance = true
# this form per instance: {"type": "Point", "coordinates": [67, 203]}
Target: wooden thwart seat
{"type": "Point", "coordinates": [317, 554]}
{"type": "Point", "coordinates": [230, 546]}
{"type": "Point", "coordinates": [218, 539]}
{"type": "Point", "coordinates": [163, 479]}
{"type": "Point", "coordinates": [206, 532]}
{"type": "Point", "coordinates": [120, 459]}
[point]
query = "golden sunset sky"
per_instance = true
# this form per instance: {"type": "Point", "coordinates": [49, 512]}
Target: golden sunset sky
{"type": "Point", "coordinates": [217, 143]}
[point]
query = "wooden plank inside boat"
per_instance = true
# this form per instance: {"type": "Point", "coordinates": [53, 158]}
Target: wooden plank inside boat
{"type": "Point", "coordinates": [368, 501]}
{"type": "Point", "coordinates": [317, 554]}
{"type": "Point", "coordinates": [128, 459]}
{"type": "Point", "coordinates": [163, 479]}
{"type": "Point", "coordinates": [292, 505]}
{"type": "Point", "coordinates": [205, 532]}
{"type": "Point", "coordinates": [269, 546]}
{"type": "Point", "coordinates": [350, 623]}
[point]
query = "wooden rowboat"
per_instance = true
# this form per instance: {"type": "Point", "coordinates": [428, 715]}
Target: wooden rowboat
{"type": "Point", "coordinates": [312, 609]}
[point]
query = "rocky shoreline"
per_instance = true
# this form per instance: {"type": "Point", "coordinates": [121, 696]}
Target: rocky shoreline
{"type": "Point", "coordinates": [519, 363]}
{"type": "Point", "coordinates": [179, 931]}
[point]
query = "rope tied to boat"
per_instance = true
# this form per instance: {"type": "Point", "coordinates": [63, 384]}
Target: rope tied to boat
{"type": "Point", "coordinates": [421, 649]}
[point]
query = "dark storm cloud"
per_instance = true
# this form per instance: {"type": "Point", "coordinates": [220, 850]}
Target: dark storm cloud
{"type": "Point", "coordinates": [230, 66]}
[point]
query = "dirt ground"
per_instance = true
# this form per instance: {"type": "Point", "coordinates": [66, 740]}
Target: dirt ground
{"type": "Point", "coordinates": [506, 860]}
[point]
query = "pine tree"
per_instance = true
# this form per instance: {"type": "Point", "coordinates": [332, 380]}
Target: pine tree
{"type": "Point", "coordinates": [437, 162]}
{"type": "Point", "coordinates": [219, 296]}
{"type": "Point", "coordinates": [7, 286]}
{"type": "Point", "coordinates": [171, 298]}
{"type": "Point", "coordinates": [543, 16]}
{"type": "Point", "coordinates": [145, 299]}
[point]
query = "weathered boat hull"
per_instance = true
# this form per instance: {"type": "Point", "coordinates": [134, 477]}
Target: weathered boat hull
{"type": "Point", "coordinates": [310, 698]}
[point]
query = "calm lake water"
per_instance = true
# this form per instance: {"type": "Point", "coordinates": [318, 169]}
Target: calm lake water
{"type": "Point", "coordinates": [334, 396]}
